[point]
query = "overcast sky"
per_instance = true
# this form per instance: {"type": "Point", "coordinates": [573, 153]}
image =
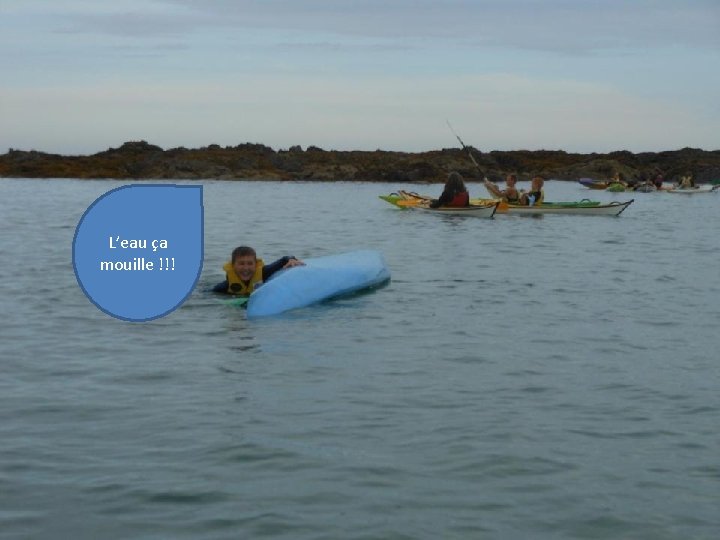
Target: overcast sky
{"type": "Point", "coordinates": [80, 76]}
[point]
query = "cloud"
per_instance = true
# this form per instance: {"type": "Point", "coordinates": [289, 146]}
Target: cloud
{"type": "Point", "coordinates": [568, 26]}
{"type": "Point", "coordinates": [578, 75]}
{"type": "Point", "coordinates": [560, 26]}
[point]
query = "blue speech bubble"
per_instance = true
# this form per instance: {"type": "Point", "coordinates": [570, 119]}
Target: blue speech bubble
{"type": "Point", "coordinates": [138, 249]}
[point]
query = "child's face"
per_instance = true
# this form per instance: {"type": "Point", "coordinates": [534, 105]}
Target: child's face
{"type": "Point", "coordinates": [244, 267]}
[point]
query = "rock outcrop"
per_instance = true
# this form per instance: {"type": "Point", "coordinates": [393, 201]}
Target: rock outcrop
{"type": "Point", "coordinates": [141, 160]}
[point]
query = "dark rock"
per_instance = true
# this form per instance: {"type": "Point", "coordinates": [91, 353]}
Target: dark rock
{"type": "Point", "coordinates": [139, 159]}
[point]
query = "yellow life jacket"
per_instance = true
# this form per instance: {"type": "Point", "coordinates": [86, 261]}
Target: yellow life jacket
{"type": "Point", "coordinates": [237, 285]}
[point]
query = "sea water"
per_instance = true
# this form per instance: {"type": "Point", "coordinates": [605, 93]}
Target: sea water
{"type": "Point", "coordinates": [519, 377]}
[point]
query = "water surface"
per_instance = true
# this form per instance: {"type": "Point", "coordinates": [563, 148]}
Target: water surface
{"type": "Point", "coordinates": [520, 377]}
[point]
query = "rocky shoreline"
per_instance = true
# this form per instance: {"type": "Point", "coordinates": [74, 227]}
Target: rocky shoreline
{"type": "Point", "coordinates": [141, 160]}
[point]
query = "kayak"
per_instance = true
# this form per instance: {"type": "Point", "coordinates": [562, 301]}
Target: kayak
{"type": "Point", "coordinates": [411, 198]}
{"type": "Point", "coordinates": [593, 184]}
{"type": "Point", "coordinates": [645, 188]}
{"type": "Point", "coordinates": [548, 206]}
{"type": "Point", "coordinates": [693, 191]}
{"type": "Point", "coordinates": [584, 207]}
{"type": "Point", "coordinates": [616, 187]}
{"type": "Point", "coordinates": [321, 278]}
{"type": "Point", "coordinates": [496, 192]}
{"type": "Point", "coordinates": [485, 208]}
{"type": "Point", "coordinates": [475, 210]}
{"type": "Point", "coordinates": [587, 207]}
{"type": "Point", "coordinates": [591, 208]}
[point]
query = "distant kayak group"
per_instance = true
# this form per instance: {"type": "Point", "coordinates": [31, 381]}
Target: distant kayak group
{"type": "Point", "coordinates": [455, 199]}
{"type": "Point", "coordinates": [617, 183]}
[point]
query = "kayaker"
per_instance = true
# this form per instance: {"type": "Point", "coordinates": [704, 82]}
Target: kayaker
{"type": "Point", "coordinates": [244, 272]}
{"type": "Point", "coordinates": [618, 178]}
{"type": "Point", "coordinates": [455, 193]}
{"type": "Point", "coordinates": [686, 182]}
{"type": "Point", "coordinates": [510, 194]}
{"type": "Point", "coordinates": [536, 195]}
{"type": "Point", "coordinates": [658, 180]}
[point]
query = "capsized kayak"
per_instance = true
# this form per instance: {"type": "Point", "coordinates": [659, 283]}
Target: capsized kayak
{"type": "Point", "coordinates": [485, 208]}
{"type": "Point", "coordinates": [320, 279]}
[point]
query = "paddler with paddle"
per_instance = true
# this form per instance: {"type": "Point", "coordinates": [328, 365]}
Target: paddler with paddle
{"type": "Point", "coordinates": [510, 194]}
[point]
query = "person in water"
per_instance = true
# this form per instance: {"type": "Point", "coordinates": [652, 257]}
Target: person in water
{"type": "Point", "coordinates": [455, 193]}
{"type": "Point", "coordinates": [536, 195]}
{"type": "Point", "coordinates": [245, 272]}
{"type": "Point", "coordinates": [510, 194]}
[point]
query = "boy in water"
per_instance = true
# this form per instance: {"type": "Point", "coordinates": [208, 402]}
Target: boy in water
{"type": "Point", "coordinates": [245, 271]}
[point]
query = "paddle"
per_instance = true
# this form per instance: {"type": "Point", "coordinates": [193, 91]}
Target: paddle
{"type": "Point", "coordinates": [492, 188]}
{"type": "Point", "coordinates": [467, 149]}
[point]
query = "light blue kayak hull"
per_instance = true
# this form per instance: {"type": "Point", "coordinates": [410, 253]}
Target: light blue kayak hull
{"type": "Point", "coordinates": [321, 278]}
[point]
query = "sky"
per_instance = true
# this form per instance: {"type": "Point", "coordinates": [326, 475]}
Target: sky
{"type": "Point", "coordinates": [82, 76]}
